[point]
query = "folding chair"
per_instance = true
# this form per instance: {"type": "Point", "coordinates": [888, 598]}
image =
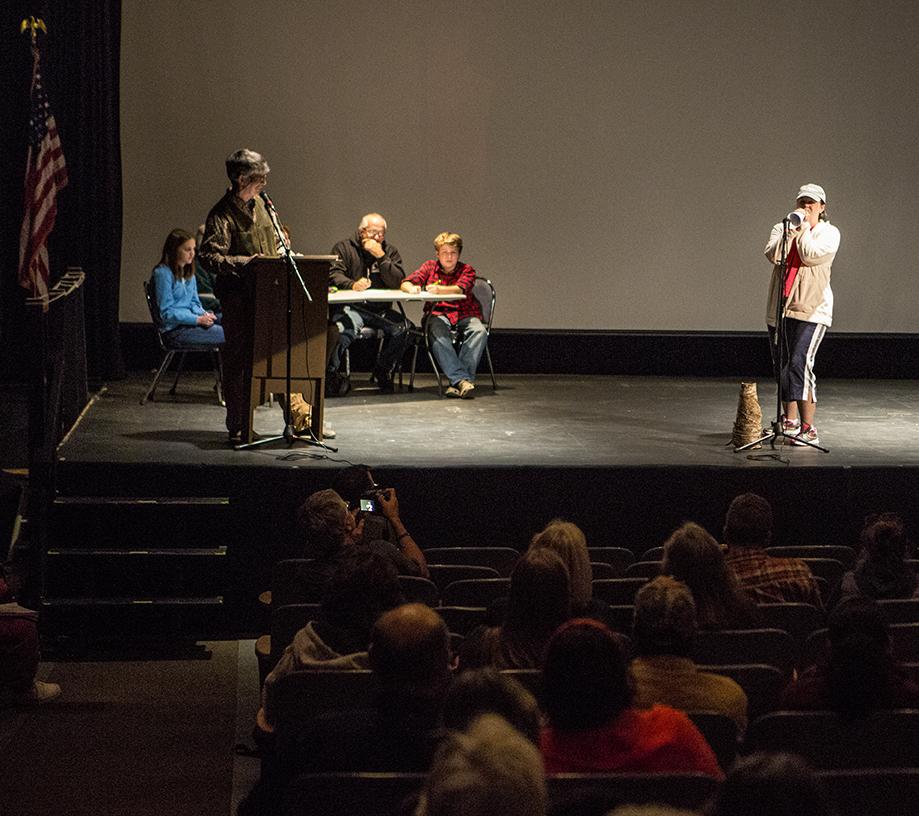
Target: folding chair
{"type": "Point", "coordinates": [170, 349]}
{"type": "Point", "coordinates": [444, 574]}
{"type": "Point", "coordinates": [478, 592]}
{"type": "Point", "coordinates": [607, 791]}
{"type": "Point", "coordinates": [484, 292]}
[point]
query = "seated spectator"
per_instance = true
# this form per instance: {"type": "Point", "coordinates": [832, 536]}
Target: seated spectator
{"type": "Point", "coordinates": [770, 785]}
{"type": "Point", "coordinates": [489, 769]}
{"type": "Point", "coordinates": [882, 571]}
{"type": "Point", "coordinates": [449, 276]}
{"type": "Point", "coordinates": [410, 656]}
{"type": "Point", "coordinates": [364, 586]}
{"type": "Point", "coordinates": [354, 483]}
{"type": "Point", "coordinates": [859, 675]}
{"type": "Point", "coordinates": [592, 726]}
{"type": "Point", "coordinates": [183, 317]}
{"type": "Point", "coordinates": [19, 655]}
{"type": "Point", "coordinates": [747, 533]}
{"type": "Point", "coordinates": [663, 670]}
{"type": "Point", "coordinates": [330, 531]}
{"type": "Point", "coordinates": [568, 542]}
{"type": "Point", "coordinates": [692, 555]}
{"type": "Point", "coordinates": [538, 602]}
{"type": "Point", "coordinates": [488, 691]}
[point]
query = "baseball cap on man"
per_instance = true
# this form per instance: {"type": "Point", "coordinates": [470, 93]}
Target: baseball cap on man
{"type": "Point", "coordinates": [813, 191]}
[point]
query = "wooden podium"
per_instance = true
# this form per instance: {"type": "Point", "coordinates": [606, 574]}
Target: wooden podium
{"type": "Point", "coordinates": [267, 366]}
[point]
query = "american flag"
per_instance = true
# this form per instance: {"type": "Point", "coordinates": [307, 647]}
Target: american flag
{"type": "Point", "coordinates": [46, 175]}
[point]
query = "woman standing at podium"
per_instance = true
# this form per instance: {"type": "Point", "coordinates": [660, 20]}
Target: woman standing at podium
{"type": "Point", "coordinates": [238, 229]}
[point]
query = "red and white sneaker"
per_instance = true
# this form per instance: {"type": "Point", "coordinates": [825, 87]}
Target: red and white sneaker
{"type": "Point", "coordinates": [809, 434]}
{"type": "Point", "coordinates": [791, 426]}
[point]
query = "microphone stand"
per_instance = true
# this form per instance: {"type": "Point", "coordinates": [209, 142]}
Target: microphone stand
{"type": "Point", "coordinates": [777, 430]}
{"type": "Point", "coordinates": [288, 435]}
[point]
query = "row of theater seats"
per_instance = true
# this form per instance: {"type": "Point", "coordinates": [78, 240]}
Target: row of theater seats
{"type": "Point", "coordinates": [884, 740]}
{"type": "Point", "coordinates": [864, 792]}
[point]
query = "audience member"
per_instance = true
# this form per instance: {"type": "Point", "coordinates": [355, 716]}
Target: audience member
{"type": "Point", "coordinates": [568, 542]}
{"type": "Point", "coordinates": [663, 670]}
{"type": "Point", "coordinates": [538, 602]}
{"type": "Point", "coordinates": [449, 276]}
{"type": "Point", "coordinates": [19, 654]}
{"type": "Point", "coordinates": [488, 691]}
{"type": "Point", "coordinates": [692, 555]}
{"type": "Point", "coordinates": [364, 585]}
{"type": "Point", "coordinates": [366, 260]}
{"type": "Point", "coordinates": [882, 571]}
{"type": "Point", "coordinates": [747, 533]}
{"type": "Point", "coordinates": [592, 726]}
{"type": "Point", "coordinates": [175, 287]}
{"type": "Point", "coordinates": [770, 785]}
{"type": "Point", "coordinates": [355, 483]}
{"type": "Point", "coordinates": [411, 660]}
{"type": "Point", "coordinates": [859, 675]}
{"type": "Point", "coordinates": [489, 769]}
{"type": "Point", "coordinates": [330, 530]}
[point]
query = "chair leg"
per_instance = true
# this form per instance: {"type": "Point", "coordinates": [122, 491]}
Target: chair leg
{"type": "Point", "coordinates": [218, 374]}
{"type": "Point", "coordinates": [440, 385]}
{"type": "Point", "coordinates": [491, 369]}
{"type": "Point", "coordinates": [151, 391]}
{"type": "Point", "coordinates": [411, 379]}
{"type": "Point", "coordinates": [179, 368]}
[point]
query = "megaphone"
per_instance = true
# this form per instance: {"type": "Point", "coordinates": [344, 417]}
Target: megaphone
{"type": "Point", "coordinates": [796, 218]}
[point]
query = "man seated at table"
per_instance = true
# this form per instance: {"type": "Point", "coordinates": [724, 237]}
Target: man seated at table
{"type": "Point", "coordinates": [367, 260]}
{"type": "Point", "coordinates": [447, 275]}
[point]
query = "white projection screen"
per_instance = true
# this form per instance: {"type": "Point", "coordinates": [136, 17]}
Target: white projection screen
{"type": "Point", "coordinates": [611, 165]}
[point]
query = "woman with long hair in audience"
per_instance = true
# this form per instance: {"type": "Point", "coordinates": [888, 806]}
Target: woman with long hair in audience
{"type": "Point", "coordinates": [537, 603]}
{"type": "Point", "coordinates": [569, 543]}
{"type": "Point", "coordinates": [692, 555]}
{"type": "Point", "coordinates": [859, 675]}
{"type": "Point", "coordinates": [176, 287]}
{"type": "Point", "coordinates": [882, 571]}
{"type": "Point", "coordinates": [592, 725]}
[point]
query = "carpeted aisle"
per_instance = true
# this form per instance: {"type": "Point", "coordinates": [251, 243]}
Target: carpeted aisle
{"type": "Point", "coordinates": [128, 737]}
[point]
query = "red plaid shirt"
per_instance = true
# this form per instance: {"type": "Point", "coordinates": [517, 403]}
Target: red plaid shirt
{"type": "Point", "coordinates": [463, 276]}
{"type": "Point", "coordinates": [773, 580]}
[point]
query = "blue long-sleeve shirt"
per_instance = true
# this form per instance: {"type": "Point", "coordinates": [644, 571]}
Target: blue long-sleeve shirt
{"type": "Point", "coordinates": [177, 299]}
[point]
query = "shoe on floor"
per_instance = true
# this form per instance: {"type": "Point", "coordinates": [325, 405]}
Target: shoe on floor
{"type": "Point", "coordinates": [452, 391]}
{"type": "Point", "coordinates": [465, 389]}
{"type": "Point", "coordinates": [337, 384]}
{"type": "Point", "coordinates": [791, 426]}
{"type": "Point", "coordinates": [384, 380]}
{"type": "Point", "coordinates": [809, 434]}
{"type": "Point", "coordinates": [328, 432]}
{"type": "Point", "coordinates": [40, 692]}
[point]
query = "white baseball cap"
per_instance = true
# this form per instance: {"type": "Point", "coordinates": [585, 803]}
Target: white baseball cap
{"type": "Point", "coordinates": [813, 191]}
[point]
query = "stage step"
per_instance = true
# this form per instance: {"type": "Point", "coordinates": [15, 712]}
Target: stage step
{"type": "Point", "coordinates": [119, 566]}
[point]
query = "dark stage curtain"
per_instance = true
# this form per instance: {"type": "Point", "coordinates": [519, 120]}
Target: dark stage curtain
{"type": "Point", "coordinates": [80, 69]}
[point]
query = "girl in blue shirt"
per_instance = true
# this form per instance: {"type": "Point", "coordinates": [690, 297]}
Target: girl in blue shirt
{"type": "Point", "coordinates": [174, 282]}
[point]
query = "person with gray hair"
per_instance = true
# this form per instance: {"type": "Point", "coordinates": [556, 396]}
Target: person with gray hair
{"type": "Point", "coordinates": [490, 769]}
{"type": "Point", "coordinates": [365, 260]}
{"type": "Point", "coordinates": [238, 229]}
{"type": "Point", "coordinates": [663, 671]}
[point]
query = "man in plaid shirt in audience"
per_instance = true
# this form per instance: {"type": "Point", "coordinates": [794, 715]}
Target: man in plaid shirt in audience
{"type": "Point", "coordinates": [747, 532]}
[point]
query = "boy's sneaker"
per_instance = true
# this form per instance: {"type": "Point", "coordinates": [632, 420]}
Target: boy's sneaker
{"type": "Point", "coordinates": [809, 434]}
{"type": "Point", "coordinates": [791, 426]}
{"type": "Point", "coordinates": [465, 389]}
{"type": "Point", "coordinates": [452, 391]}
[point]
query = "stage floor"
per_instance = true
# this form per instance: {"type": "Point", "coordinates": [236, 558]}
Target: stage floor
{"type": "Point", "coordinates": [542, 422]}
